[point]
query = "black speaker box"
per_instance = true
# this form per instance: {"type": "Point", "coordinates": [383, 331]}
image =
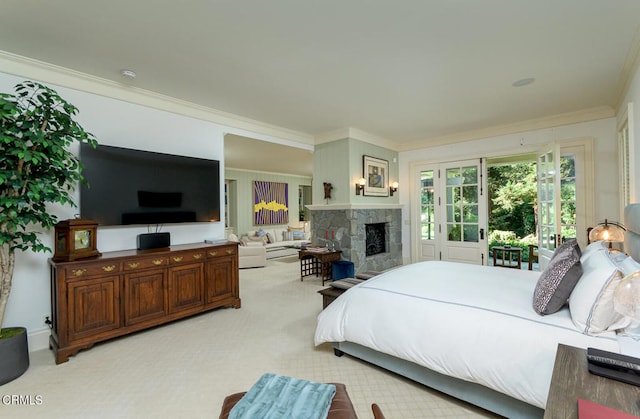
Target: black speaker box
{"type": "Point", "coordinates": [153, 240]}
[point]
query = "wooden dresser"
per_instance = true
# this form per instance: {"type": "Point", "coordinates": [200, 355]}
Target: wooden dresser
{"type": "Point", "coordinates": [122, 292]}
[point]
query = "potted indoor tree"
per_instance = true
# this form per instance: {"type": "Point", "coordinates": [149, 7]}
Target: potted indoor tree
{"type": "Point", "coordinates": [37, 168]}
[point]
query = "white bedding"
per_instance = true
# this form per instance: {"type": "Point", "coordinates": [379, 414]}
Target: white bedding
{"type": "Point", "coordinates": [471, 322]}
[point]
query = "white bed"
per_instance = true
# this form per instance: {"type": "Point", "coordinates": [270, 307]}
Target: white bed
{"type": "Point", "coordinates": [471, 329]}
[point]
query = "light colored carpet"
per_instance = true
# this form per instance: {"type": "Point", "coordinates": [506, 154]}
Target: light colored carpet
{"type": "Point", "coordinates": [186, 368]}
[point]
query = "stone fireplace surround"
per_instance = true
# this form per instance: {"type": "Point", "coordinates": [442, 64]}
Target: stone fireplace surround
{"type": "Point", "coordinates": [348, 222]}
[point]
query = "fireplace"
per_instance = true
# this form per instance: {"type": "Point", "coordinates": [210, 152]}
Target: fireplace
{"type": "Point", "coordinates": [371, 238]}
{"type": "Point", "coordinates": [375, 238]}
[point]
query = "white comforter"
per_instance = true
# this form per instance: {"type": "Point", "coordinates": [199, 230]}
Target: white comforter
{"type": "Point", "coordinates": [471, 322]}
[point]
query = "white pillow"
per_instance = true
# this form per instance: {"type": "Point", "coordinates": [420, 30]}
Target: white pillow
{"type": "Point", "coordinates": [593, 248]}
{"type": "Point", "coordinates": [591, 301]}
{"type": "Point", "coordinates": [628, 266]}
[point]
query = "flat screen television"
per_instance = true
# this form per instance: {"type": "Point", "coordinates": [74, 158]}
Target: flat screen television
{"type": "Point", "coordinates": [127, 186]}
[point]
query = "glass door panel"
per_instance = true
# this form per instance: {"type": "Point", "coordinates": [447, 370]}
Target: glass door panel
{"type": "Point", "coordinates": [427, 205]}
{"type": "Point", "coordinates": [548, 200]}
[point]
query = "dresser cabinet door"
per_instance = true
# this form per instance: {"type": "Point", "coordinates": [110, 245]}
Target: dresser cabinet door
{"type": "Point", "coordinates": [93, 307]}
{"type": "Point", "coordinates": [145, 296]}
{"type": "Point", "coordinates": [186, 287]}
{"type": "Point", "coordinates": [220, 279]}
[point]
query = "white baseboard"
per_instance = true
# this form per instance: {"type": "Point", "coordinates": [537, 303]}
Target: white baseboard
{"type": "Point", "coordinates": [38, 339]}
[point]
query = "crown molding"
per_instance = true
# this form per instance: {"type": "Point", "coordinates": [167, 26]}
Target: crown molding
{"type": "Point", "coordinates": [356, 134]}
{"type": "Point", "coordinates": [49, 73]}
{"type": "Point", "coordinates": [586, 115]}
{"type": "Point", "coordinates": [235, 169]}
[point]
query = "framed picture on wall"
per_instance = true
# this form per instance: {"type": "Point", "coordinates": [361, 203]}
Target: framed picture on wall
{"type": "Point", "coordinates": [376, 173]}
{"type": "Point", "coordinates": [270, 203]}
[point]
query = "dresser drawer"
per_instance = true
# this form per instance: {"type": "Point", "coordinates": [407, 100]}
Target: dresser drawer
{"type": "Point", "coordinates": [222, 251]}
{"type": "Point", "coordinates": [145, 263]}
{"type": "Point", "coordinates": [92, 270]}
{"type": "Point", "coordinates": [187, 257]}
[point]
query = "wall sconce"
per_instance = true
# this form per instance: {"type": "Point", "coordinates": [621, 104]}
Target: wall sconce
{"type": "Point", "coordinates": [360, 186]}
{"type": "Point", "coordinates": [393, 188]}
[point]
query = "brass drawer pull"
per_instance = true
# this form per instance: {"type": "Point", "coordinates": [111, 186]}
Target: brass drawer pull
{"type": "Point", "coordinates": [178, 259]}
{"type": "Point", "coordinates": [108, 268]}
{"type": "Point", "coordinates": [198, 256]}
{"type": "Point", "coordinates": [157, 262]}
{"type": "Point", "coordinates": [79, 272]}
{"type": "Point", "coordinates": [213, 253]}
{"type": "Point", "coordinates": [230, 251]}
{"type": "Point", "coordinates": [134, 264]}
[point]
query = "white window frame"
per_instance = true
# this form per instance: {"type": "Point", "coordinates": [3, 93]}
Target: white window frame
{"type": "Point", "coordinates": [626, 160]}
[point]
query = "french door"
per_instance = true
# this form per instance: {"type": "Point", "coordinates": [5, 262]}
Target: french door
{"type": "Point", "coordinates": [452, 212]}
{"type": "Point", "coordinates": [549, 201]}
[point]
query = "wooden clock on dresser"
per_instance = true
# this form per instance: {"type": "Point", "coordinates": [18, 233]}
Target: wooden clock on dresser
{"type": "Point", "coordinates": [118, 293]}
{"type": "Point", "coordinates": [75, 239]}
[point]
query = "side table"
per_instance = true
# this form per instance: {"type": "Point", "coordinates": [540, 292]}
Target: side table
{"type": "Point", "coordinates": [317, 263]}
{"type": "Point", "coordinates": [572, 380]}
{"type": "Point", "coordinates": [507, 253]}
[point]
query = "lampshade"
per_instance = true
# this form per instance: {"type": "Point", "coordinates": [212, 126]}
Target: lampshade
{"type": "Point", "coordinates": [609, 231]}
{"type": "Point", "coordinates": [626, 296]}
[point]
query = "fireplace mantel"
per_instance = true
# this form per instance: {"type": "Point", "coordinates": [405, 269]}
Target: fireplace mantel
{"type": "Point", "coordinates": [334, 207]}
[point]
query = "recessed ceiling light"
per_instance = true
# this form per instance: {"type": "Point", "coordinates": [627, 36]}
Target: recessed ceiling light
{"type": "Point", "coordinates": [129, 74]}
{"type": "Point", "coordinates": [523, 82]}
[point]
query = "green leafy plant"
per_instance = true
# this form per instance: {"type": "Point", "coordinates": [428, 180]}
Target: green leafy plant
{"type": "Point", "coordinates": [36, 168]}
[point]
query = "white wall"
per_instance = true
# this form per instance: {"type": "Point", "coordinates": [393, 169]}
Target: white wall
{"type": "Point", "coordinates": [117, 123]}
{"type": "Point", "coordinates": [633, 96]}
{"type": "Point", "coordinates": [605, 151]}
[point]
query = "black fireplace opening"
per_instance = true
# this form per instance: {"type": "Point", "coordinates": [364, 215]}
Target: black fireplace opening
{"type": "Point", "coordinates": [375, 236]}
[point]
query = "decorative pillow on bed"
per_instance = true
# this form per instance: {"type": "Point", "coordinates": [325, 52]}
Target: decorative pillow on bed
{"type": "Point", "coordinates": [567, 245]}
{"type": "Point", "coordinates": [595, 247]}
{"type": "Point", "coordinates": [557, 281]}
{"type": "Point", "coordinates": [629, 266]}
{"type": "Point", "coordinates": [591, 302]}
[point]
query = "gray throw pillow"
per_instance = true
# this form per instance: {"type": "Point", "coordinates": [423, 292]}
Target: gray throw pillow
{"type": "Point", "coordinates": [565, 246]}
{"type": "Point", "coordinates": [557, 281]}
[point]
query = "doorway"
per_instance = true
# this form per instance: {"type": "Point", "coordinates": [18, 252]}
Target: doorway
{"type": "Point", "coordinates": [521, 206]}
{"type": "Point", "coordinates": [434, 223]}
{"type": "Point", "coordinates": [512, 212]}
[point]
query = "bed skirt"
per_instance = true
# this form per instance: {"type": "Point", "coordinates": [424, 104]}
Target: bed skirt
{"type": "Point", "coordinates": [473, 393]}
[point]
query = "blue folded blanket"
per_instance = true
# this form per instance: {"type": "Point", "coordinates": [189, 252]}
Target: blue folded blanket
{"type": "Point", "coordinates": [276, 396]}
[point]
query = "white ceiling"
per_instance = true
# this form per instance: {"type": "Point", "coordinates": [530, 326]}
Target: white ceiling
{"type": "Point", "coordinates": [408, 71]}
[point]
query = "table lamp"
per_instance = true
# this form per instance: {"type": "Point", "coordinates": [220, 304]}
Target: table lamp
{"type": "Point", "coordinates": [626, 301]}
{"type": "Point", "coordinates": [609, 231]}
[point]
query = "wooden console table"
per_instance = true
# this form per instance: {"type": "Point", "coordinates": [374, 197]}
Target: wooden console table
{"type": "Point", "coordinates": [507, 257]}
{"type": "Point", "coordinates": [317, 263]}
{"type": "Point", "coordinates": [572, 380]}
{"type": "Point", "coordinates": [118, 293]}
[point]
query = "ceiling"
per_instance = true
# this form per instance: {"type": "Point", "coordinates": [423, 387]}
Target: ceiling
{"type": "Point", "coordinates": [409, 71]}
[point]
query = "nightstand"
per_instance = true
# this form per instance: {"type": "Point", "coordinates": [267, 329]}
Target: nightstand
{"type": "Point", "coordinates": [572, 380]}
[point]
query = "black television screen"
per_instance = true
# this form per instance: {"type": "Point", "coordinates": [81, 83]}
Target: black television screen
{"type": "Point", "coordinates": [128, 186]}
